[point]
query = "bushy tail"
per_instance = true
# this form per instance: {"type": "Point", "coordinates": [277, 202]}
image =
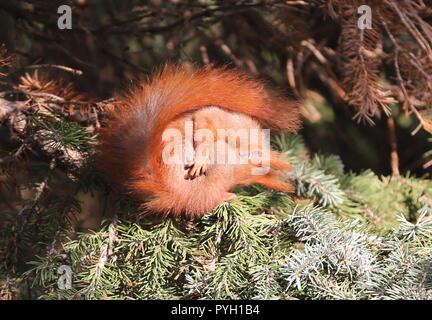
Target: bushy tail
{"type": "Point", "coordinates": [151, 106]}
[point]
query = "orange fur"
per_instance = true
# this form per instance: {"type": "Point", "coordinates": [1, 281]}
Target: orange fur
{"type": "Point", "coordinates": [131, 146]}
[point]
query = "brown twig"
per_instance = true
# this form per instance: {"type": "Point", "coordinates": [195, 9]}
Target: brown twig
{"type": "Point", "coordinates": [56, 66]}
{"type": "Point", "coordinates": [394, 157]}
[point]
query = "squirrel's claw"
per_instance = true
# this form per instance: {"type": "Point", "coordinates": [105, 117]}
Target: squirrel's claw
{"type": "Point", "coordinates": [189, 165]}
{"type": "Point", "coordinates": [196, 168]}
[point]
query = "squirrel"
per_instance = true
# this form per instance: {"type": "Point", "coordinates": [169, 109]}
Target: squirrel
{"type": "Point", "coordinates": [136, 155]}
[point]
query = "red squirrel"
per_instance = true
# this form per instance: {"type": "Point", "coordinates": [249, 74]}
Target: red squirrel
{"type": "Point", "coordinates": [140, 136]}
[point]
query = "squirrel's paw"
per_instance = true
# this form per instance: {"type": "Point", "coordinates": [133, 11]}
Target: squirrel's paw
{"type": "Point", "coordinates": [197, 167]}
